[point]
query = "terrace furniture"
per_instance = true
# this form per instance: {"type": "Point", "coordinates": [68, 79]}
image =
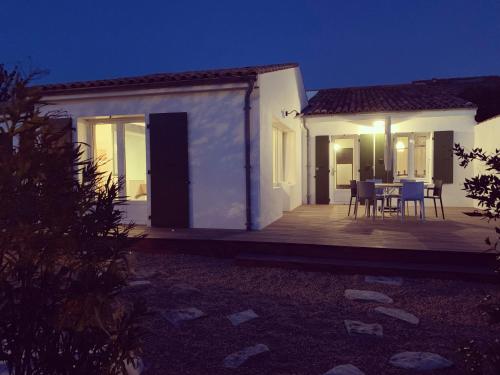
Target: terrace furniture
{"type": "Point", "coordinates": [354, 194]}
{"type": "Point", "coordinates": [414, 192]}
{"type": "Point", "coordinates": [437, 191]}
{"type": "Point", "coordinates": [367, 193]}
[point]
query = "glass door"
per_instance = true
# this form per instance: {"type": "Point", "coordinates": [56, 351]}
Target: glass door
{"type": "Point", "coordinates": [343, 157]}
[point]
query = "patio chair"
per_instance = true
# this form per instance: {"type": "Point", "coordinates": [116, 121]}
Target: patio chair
{"type": "Point", "coordinates": [412, 192]}
{"type": "Point", "coordinates": [354, 194]}
{"type": "Point", "coordinates": [437, 191]}
{"type": "Point", "coordinates": [366, 193]}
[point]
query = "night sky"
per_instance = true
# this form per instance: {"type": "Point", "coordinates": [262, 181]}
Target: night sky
{"type": "Point", "coordinates": [336, 43]}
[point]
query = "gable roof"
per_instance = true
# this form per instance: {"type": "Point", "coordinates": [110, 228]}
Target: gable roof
{"type": "Point", "coordinates": [188, 78]}
{"type": "Point", "coordinates": [389, 98]}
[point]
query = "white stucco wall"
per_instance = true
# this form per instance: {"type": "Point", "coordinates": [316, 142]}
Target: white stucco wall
{"type": "Point", "coordinates": [461, 122]}
{"type": "Point", "coordinates": [216, 144]}
{"type": "Point", "coordinates": [279, 91]}
{"type": "Point", "coordinates": [487, 137]}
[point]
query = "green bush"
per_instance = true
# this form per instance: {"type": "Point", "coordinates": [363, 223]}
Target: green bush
{"type": "Point", "coordinates": [62, 248]}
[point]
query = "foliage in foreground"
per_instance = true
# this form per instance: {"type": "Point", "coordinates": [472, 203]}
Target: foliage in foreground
{"type": "Point", "coordinates": [485, 189]}
{"type": "Point", "coordinates": [62, 248]}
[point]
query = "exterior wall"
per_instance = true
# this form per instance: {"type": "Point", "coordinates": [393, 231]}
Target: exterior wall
{"type": "Point", "coordinates": [487, 137]}
{"type": "Point", "coordinates": [216, 144]}
{"type": "Point", "coordinates": [461, 122]}
{"type": "Point", "coordinates": [279, 92]}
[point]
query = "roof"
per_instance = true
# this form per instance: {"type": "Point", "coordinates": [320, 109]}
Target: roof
{"type": "Point", "coordinates": [189, 78]}
{"type": "Point", "coordinates": [388, 98]}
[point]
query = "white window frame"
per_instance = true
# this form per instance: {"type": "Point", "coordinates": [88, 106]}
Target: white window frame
{"type": "Point", "coordinates": [120, 144]}
{"type": "Point", "coordinates": [283, 156]}
{"type": "Point", "coordinates": [411, 155]}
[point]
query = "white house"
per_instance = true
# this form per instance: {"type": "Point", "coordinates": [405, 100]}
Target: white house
{"type": "Point", "coordinates": [346, 129]}
{"type": "Point", "coordinates": [196, 148]}
{"type": "Point", "coordinates": [234, 148]}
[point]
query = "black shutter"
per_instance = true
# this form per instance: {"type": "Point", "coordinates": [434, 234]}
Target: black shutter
{"type": "Point", "coordinates": [322, 169]}
{"type": "Point", "coordinates": [62, 127]}
{"type": "Point", "coordinates": [379, 157]}
{"type": "Point", "coordinates": [168, 140]}
{"type": "Point", "coordinates": [365, 157]}
{"type": "Point", "coordinates": [443, 156]}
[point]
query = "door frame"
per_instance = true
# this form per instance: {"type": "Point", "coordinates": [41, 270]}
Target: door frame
{"type": "Point", "coordinates": [341, 195]}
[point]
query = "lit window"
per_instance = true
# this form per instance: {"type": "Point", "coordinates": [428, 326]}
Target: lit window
{"type": "Point", "coordinates": [420, 156]}
{"type": "Point", "coordinates": [135, 160]}
{"type": "Point", "coordinates": [401, 155]}
{"type": "Point", "coordinates": [105, 150]}
{"type": "Point", "coordinates": [119, 147]}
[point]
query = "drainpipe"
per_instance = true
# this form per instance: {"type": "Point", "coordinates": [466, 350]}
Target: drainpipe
{"type": "Point", "coordinates": [308, 190]}
{"type": "Point", "coordinates": [248, 181]}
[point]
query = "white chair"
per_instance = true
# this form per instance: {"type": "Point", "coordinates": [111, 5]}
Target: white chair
{"type": "Point", "coordinates": [412, 192]}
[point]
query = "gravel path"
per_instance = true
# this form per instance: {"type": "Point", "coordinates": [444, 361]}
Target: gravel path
{"type": "Point", "coordinates": [301, 318]}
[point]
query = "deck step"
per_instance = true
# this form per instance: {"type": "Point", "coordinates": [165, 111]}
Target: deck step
{"type": "Point", "coordinates": [349, 266]}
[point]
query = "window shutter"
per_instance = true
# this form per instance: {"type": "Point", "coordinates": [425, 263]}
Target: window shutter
{"type": "Point", "coordinates": [322, 169]}
{"type": "Point", "coordinates": [365, 157]}
{"type": "Point", "coordinates": [168, 143]}
{"type": "Point", "coordinates": [380, 172]}
{"type": "Point", "coordinates": [443, 156]}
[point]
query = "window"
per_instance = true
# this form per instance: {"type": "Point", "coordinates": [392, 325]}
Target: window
{"type": "Point", "coordinates": [402, 156]}
{"type": "Point", "coordinates": [420, 156]}
{"type": "Point", "coordinates": [411, 159]}
{"type": "Point", "coordinates": [278, 156]}
{"type": "Point", "coordinates": [120, 149]}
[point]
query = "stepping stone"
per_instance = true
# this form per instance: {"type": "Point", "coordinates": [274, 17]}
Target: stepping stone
{"type": "Point", "coordinates": [235, 360]}
{"type": "Point", "coordinates": [176, 317]}
{"type": "Point", "coordinates": [367, 295]}
{"type": "Point", "coordinates": [396, 281]}
{"type": "Point", "coordinates": [135, 367]}
{"type": "Point", "coordinates": [420, 361]}
{"type": "Point", "coordinates": [398, 314]}
{"type": "Point", "coordinates": [242, 317]}
{"type": "Point", "coordinates": [182, 290]}
{"type": "Point", "coordinates": [360, 328]}
{"type": "Point", "coordinates": [136, 283]}
{"type": "Point", "coordinates": [345, 370]}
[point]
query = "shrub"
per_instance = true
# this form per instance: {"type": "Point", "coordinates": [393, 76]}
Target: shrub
{"type": "Point", "coordinates": [62, 247]}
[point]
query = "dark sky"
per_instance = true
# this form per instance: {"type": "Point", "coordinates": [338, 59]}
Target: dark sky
{"type": "Point", "coordinates": [336, 43]}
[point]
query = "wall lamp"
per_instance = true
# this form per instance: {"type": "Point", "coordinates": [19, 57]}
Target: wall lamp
{"type": "Point", "coordinates": [287, 113]}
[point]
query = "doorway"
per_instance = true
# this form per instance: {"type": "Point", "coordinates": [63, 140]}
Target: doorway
{"type": "Point", "coordinates": [344, 162]}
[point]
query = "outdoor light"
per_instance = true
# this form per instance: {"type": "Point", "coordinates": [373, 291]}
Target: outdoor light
{"type": "Point", "coordinates": [336, 146]}
{"type": "Point", "coordinates": [400, 146]}
{"type": "Point", "coordinates": [379, 126]}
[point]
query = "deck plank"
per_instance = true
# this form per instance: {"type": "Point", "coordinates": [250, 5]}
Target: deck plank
{"type": "Point", "coordinates": [330, 225]}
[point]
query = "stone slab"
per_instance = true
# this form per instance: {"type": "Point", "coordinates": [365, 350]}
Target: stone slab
{"type": "Point", "coordinates": [360, 328]}
{"type": "Point", "coordinates": [178, 316]}
{"type": "Point", "coordinates": [347, 369]}
{"type": "Point", "coordinates": [236, 359]}
{"type": "Point", "coordinates": [367, 295]}
{"type": "Point", "coordinates": [420, 361]}
{"type": "Point", "coordinates": [398, 314]}
{"type": "Point", "coordinates": [242, 317]}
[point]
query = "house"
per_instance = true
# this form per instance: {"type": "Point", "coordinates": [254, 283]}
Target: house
{"type": "Point", "coordinates": [235, 148]}
{"type": "Point", "coordinates": [196, 148]}
{"type": "Point", "coordinates": [346, 129]}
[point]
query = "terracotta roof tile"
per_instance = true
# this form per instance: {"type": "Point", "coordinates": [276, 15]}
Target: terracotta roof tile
{"type": "Point", "coordinates": [390, 98]}
{"type": "Point", "coordinates": [215, 76]}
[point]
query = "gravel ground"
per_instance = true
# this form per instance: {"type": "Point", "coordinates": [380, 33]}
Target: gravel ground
{"type": "Point", "coordinates": [301, 318]}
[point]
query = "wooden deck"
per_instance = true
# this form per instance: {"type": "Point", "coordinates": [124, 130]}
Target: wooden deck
{"type": "Point", "coordinates": [330, 225]}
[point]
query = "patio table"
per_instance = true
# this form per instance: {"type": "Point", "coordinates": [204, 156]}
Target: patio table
{"type": "Point", "coordinates": [392, 189]}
